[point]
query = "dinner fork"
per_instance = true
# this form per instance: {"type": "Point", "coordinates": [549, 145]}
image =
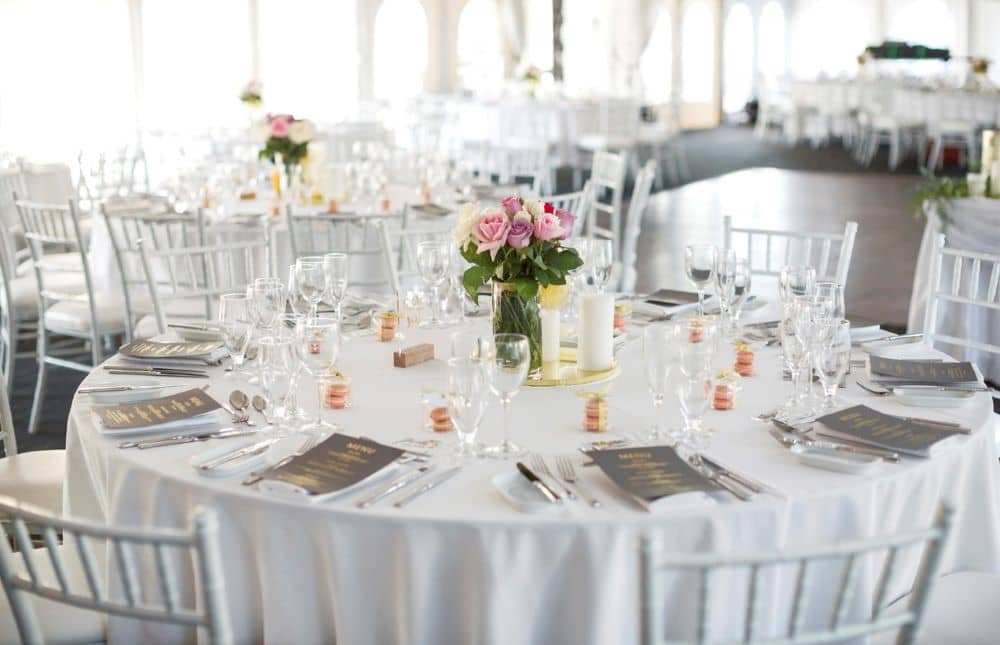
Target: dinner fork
{"type": "Point", "coordinates": [543, 469]}
{"type": "Point", "coordinates": [568, 473]}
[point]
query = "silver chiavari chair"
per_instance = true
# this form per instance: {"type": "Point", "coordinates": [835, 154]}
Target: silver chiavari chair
{"type": "Point", "coordinates": [153, 568]}
{"type": "Point", "coordinates": [607, 185]}
{"type": "Point", "coordinates": [199, 275]}
{"type": "Point", "coordinates": [781, 248]}
{"type": "Point", "coordinates": [517, 164]}
{"type": "Point", "coordinates": [626, 269]}
{"type": "Point", "coordinates": [52, 233]}
{"type": "Point", "coordinates": [578, 203]}
{"type": "Point", "coordinates": [399, 252]}
{"type": "Point", "coordinates": [841, 620]}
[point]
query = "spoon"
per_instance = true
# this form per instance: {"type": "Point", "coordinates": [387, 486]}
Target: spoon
{"type": "Point", "coordinates": [251, 353]}
{"type": "Point", "coordinates": [260, 405]}
{"type": "Point", "coordinates": [239, 400]}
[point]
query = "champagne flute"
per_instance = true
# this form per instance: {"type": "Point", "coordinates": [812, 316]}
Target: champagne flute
{"type": "Point", "coordinates": [466, 401]}
{"type": "Point", "coordinates": [506, 370]}
{"type": "Point", "coordinates": [269, 298]}
{"type": "Point", "coordinates": [699, 264]}
{"type": "Point", "coordinates": [696, 349]}
{"type": "Point", "coordinates": [601, 261]}
{"type": "Point", "coordinates": [831, 294]}
{"type": "Point", "coordinates": [796, 280]}
{"type": "Point", "coordinates": [310, 281]}
{"type": "Point", "coordinates": [336, 267]}
{"type": "Point", "coordinates": [319, 344]}
{"type": "Point", "coordinates": [432, 262]}
{"type": "Point", "coordinates": [234, 319]}
{"type": "Point", "coordinates": [299, 304]}
{"type": "Point", "coordinates": [725, 288]}
{"type": "Point", "coordinates": [832, 356]}
{"type": "Point", "coordinates": [741, 289]}
{"type": "Point", "coordinates": [659, 354]}
{"type": "Point", "coordinates": [276, 364]}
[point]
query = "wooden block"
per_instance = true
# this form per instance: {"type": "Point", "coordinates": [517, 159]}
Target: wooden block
{"type": "Point", "coordinates": [414, 355]}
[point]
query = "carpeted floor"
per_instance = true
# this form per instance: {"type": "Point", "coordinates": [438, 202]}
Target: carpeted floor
{"type": "Point", "coordinates": [710, 153]}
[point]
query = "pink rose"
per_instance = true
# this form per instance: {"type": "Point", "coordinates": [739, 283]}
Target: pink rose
{"type": "Point", "coordinates": [566, 220]}
{"type": "Point", "coordinates": [280, 124]}
{"type": "Point", "coordinates": [520, 234]}
{"type": "Point", "coordinates": [511, 205]}
{"type": "Point", "coordinates": [547, 227]}
{"type": "Point", "coordinates": [491, 233]}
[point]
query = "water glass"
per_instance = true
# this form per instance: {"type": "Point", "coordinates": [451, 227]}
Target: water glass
{"type": "Point", "coordinates": [310, 281]}
{"type": "Point", "coordinates": [432, 262]}
{"type": "Point", "coordinates": [234, 320]}
{"type": "Point", "coordinates": [699, 264]}
{"type": "Point", "coordinates": [276, 366]}
{"type": "Point", "coordinates": [796, 280]}
{"type": "Point", "coordinates": [469, 345]}
{"type": "Point", "coordinates": [467, 390]}
{"type": "Point", "coordinates": [832, 355]}
{"type": "Point", "coordinates": [336, 266]}
{"type": "Point", "coordinates": [600, 258]}
{"type": "Point", "coordinates": [269, 297]}
{"type": "Point", "coordinates": [506, 370]}
{"type": "Point", "coordinates": [299, 304]}
{"type": "Point", "coordinates": [318, 341]}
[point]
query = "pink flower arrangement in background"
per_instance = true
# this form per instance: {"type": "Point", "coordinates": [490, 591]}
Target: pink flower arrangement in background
{"type": "Point", "coordinates": [252, 93]}
{"type": "Point", "coordinates": [285, 135]}
{"type": "Point", "coordinates": [519, 242]}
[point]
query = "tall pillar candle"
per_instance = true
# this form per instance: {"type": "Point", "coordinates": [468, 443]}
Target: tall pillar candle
{"type": "Point", "coordinates": [995, 179]}
{"type": "Point", "coordinates": [988, 151]}
{"type": "Point", "coordinates": [550, 342]}
{"type": "Point", "coordinates": [595, 332]}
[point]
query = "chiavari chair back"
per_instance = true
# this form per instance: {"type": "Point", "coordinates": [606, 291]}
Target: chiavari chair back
{"type": "Point", "coordinates": [633, 225]}
{"type": "Point", "coordinates": [607, 184]}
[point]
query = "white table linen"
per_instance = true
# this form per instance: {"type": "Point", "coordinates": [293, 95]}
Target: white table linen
{"type": "Point", "coordinates": [460, 565]}
{"type": "Point", "coordinates": [973, 224]}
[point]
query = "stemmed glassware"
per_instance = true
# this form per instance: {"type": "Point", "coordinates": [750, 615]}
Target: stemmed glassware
{"type": "Point", "coordinates": [725, 289]}
{"type": "Point", "coordinates": [467, 390]}
{"type": "Point", "coordinates": [831, 295]}
{"type": "Point", "coordinates": [800, 324]}
{"type": "Point", "coordinates": [741, 289]}
{"type": "Point", "coordinates": [234, 320]}
{"type": "Point", "coordinates": [700, 261]}
{"type": "Point", "coordinates": [694, 391]}
{"type": "Point", "coordinates": [831, 357]}
{"type": "Point", "coordinates": [310, 281]}
{"type": "Point", "coordinates": [336, 267]}
{"type": "Point", "coordinates": [318, 341]}
{"type": "Point", "coordinates": [659, 352]}
{"type": "Point", "coordinates": [276, 366]}
{"type": "Point", "coordinates": [600, 259]}
{"type": "Point", "coordinates": [269, 297]}
{"type": "Point", "coordinates": [506, 369]}
{"type": "Point", "coordinates": [432, 262]}
{"type": "Point", "coordinates": [796, 280]}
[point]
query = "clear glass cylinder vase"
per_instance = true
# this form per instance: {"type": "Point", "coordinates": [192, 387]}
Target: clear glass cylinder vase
{"type": "Point", "coordinates": [512, 314]}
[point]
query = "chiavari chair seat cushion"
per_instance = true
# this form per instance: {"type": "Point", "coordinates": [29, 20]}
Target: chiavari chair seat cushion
{"type": "Point", "coordinates": [65, 261]}
{"type": "Point", "coordinates": [24, 291]}
{"type": "Point", "coordinates": [962, 609]}
{"type": "Point", "coordinates": [74, 316]}
{"type": "Point", "coordinates": [61, 624]}
{"type": "Point", "coordinates": [35, 477]}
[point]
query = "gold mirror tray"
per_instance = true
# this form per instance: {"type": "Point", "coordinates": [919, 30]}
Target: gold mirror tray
{"type": "Point", "coordinates": [566, 372]}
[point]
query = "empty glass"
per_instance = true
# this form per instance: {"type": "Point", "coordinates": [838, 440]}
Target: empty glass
{"type": "Point", "coordinates": [659, 352]}
{"type": "Point", "coordinates": [276, 366]}
{"type": "Point", "coordinates": [831, 358]}
{"type": "Point", "coordinates": [310, 281]}
{"type": "Point", "coordinates": [741, 289]}
{"type": "Point", "coordinates": [725, 288]}
{"type": "Point", "coordinates": [696, 349]}
{"type": "Point", "coordinates": [469, 344]}
{"type": "Point", "coordinates": [432, 262]}
{"type": "Point", "coordinates": [269, 298]}
{"type": "Point", "coordinates": [234, 320]}
{"type": "Point", "coordinates": [336, 267]}
{"type": "Point", "coordinates": [506, 370]}
{"type": "Point", "coordinates": [831, 295]}
{"type": "Point", "coordinates": [796, 281]}
{"type": "Point", "coordinates": [467, 390]}
{"type": "Point", "coordinates": [600, 258]}
{"type": "Point", "coordinates": [318, 346]}
{"type": "Point", "coordinates": [699, 264]}
{"type": "Point", "coordinates": [299, 304]}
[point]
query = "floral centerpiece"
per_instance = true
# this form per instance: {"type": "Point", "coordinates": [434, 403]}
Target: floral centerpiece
{"type": "Point", "coordinates": [251, 94]}
{"type": "Point", "coordinates": [517, 246]}
{"type": "Point", "coordinates": [283, 134]}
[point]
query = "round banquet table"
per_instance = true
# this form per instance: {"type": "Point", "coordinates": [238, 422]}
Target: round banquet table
{"type": "Point", "coordinates": [460, 565]}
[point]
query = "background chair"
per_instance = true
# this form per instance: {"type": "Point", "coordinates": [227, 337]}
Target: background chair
{"type": "Point", "coordinates": [607, 185]}
{"type": "Point", "coordinates": [704, 570]}
{"type": "Point", "coordinates": [34, 477]}
{"type": "Point", "coordinates": [624, 272]}
{"type": "Point", "coordinates": [579, 203]}
{"type": "Point", "coordinates": [68, 581]}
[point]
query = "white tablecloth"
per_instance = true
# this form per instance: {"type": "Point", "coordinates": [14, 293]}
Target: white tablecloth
{"type": "Point", "coordinates": [461, 566]}
{"type": "Point", "coordinates": [973, 225]}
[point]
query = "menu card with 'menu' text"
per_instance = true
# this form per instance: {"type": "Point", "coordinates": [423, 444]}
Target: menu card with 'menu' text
{"type": "Point", "coordinates": [864, 425]}
{"type": "Point", "coordinates": [651, 473]}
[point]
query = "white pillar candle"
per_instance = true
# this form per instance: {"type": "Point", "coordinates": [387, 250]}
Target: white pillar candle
{"type": "Point", "coordinates": [550, 342]}
{"type": "Point", "coordinates": [596, 332]}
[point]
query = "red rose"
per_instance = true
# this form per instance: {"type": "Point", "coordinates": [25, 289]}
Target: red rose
{"type": "Point", "coordinates": [549, 208]}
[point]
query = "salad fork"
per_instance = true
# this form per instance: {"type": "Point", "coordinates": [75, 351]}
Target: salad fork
{"type": "Point", "coordinates": [568, 473]}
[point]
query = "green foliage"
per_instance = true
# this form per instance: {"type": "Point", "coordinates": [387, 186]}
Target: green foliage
{"type": "Point", "coordinates": [939, 193]}
{"type": "Point", "coordinates": [542, 263]}
{"type": "Point", "coordinates": [291, 153]}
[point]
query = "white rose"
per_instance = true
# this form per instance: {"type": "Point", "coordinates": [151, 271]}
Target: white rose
{"type": "Point", "coordinates": [302, 131]}
{"type": "Point", "coordinates": [468, 214]}
{"type": "Point", "coordinates": [522, 215]}
{"type": "Point", "coordinates": [261, 131]}
{"type": "Point", "coordinates": [535, 207]}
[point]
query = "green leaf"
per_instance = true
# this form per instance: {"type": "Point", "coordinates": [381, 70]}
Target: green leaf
{"type": "Point", "coordinates": [527, 288]}
{"type": "Point", "coordinates": [473, 278]}
{"type": "Point", "coordinates": [564, 260]}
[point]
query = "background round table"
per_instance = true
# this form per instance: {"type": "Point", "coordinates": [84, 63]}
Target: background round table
{"type": "Point", "coordinates": [460, 565]}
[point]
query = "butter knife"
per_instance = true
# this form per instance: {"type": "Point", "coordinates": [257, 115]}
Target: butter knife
{"type": "Point", "coordinates": [398, 484]}
{"type": "Point", "coordinates": [249, 451]}
{"type": "Point", "coordinates": [538, 483]}
{"type": "Point", "coordinates": [433, 483]}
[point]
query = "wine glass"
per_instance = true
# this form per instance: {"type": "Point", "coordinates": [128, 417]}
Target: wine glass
{"type": "Point", "coordinates": [506, 370]}
{"type": "Point", "coordinates": [234, 320]}
{"type": "Point", "coordinates": [467, 390]}
{"type": "Point", "coordinates": [831, 294]}
{"type": "Point", "coordinates": [699, 264]}
{"type": "Point", "coordinates": [741, 289]}
{"type": "Point", "coordinates": [831, 357]}
{"type": "Point", "coordinates": [659, 354]}
{"type": "Point", "coordinates": [796, 280]}
{"type": "Point", "coordinates": [269, 297]}
{"type": "Point", "coordinates": [432, 262]}
{"type": "Point", "coordinates": [318, 344]}
{"type": "Point", "coordinates": [601, 260]}
{"type": "Point", "coordinates": [336, 267]}
{"type": "Point", "coordinates": [795, 331]}
{"type": "Point", "coordinates": [310, 281]}
{"type": "Point", "coordinates": [469, 344]}
{"type": "Point", "coordinates": [298, 303]}
{"type": "Point", "coordinates": [276, 365]}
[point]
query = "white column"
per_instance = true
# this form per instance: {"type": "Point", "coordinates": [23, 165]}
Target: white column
{"type": "Point", "coordinates": [253, 19]}
{"type": "Point", "coordinates": [138, 88]}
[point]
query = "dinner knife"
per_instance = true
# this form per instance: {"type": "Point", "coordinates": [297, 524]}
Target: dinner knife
{"type": "Point", "coordinates": [538, 483]}
{"type": "Point", "coordinates": [101, 389]}
{"type": "Point", "coordinates": [148, 372]}
{"type": "Point", "coordinates": [887, 455]}
{"type": "Point", "coordinates": [902, 338]}
{"type": "Point", "coordinates": [398, 484]}
{"type": "Point", "coordinates": [747, 482]}
{"type": "Point", "coordinates": [191, 438]}
{"type": "Point", "coordinates": [249, 451]}
{"type": "Point", "coordinates": [433, 483]}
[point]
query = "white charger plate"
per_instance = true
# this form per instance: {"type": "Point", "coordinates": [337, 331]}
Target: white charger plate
{"type": "Point", "coordinates": [841, 462]}
{"type": "Point", "coordinates": [524, 497]}
{"type": "Point", "coordinates": [931, 398]}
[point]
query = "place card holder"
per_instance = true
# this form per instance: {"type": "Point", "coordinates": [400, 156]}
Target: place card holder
{"type": "Point", "coordinates": [410, 356]}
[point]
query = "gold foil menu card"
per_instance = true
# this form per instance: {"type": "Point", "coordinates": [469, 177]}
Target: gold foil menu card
{"type": "Point", "coordinates": [207, 352]}
{"type": "Point", "coordinates": [333, 466]}
{"type": "Point", "coordinates": [165, 410]}
{"type": "Point", "coordinates": [651, 473]}
{"type": "Point", "coordinates": [889, 370]}
{"type": "Point", "coordinates": [861, 424]}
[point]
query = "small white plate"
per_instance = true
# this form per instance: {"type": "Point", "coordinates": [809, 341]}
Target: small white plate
{"type": "Point", "coordinates": [197, 335]}
{"type": "Point", "coordinates": [932, 398]}
{"type": "Point", "coordinates": [524, 497]}
{"type": "Point", "coordinates": [127, 396]}
{"type": "Point", "coordinates": [835, 460]}
{"type": "Point", "coordinates": [236, 467]}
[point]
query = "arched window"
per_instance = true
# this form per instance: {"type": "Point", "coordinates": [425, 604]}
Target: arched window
{"type": "Point", "coordinates": [737, 56]}
{"type": "Point", "coordinates": [480, 52]}
{"type": "Point", "coordinates": [656, 63]}
{"type": "Point", "coordinates": [771, 52]}
{"type": "Point", "coordinates": [294, 44]}
{"type": "Point", "coordinates": [923, 22]}
{"type": "Point", "coordinates": [698, 53]}
{"type": "Point", "coordinates": [400, 58]}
